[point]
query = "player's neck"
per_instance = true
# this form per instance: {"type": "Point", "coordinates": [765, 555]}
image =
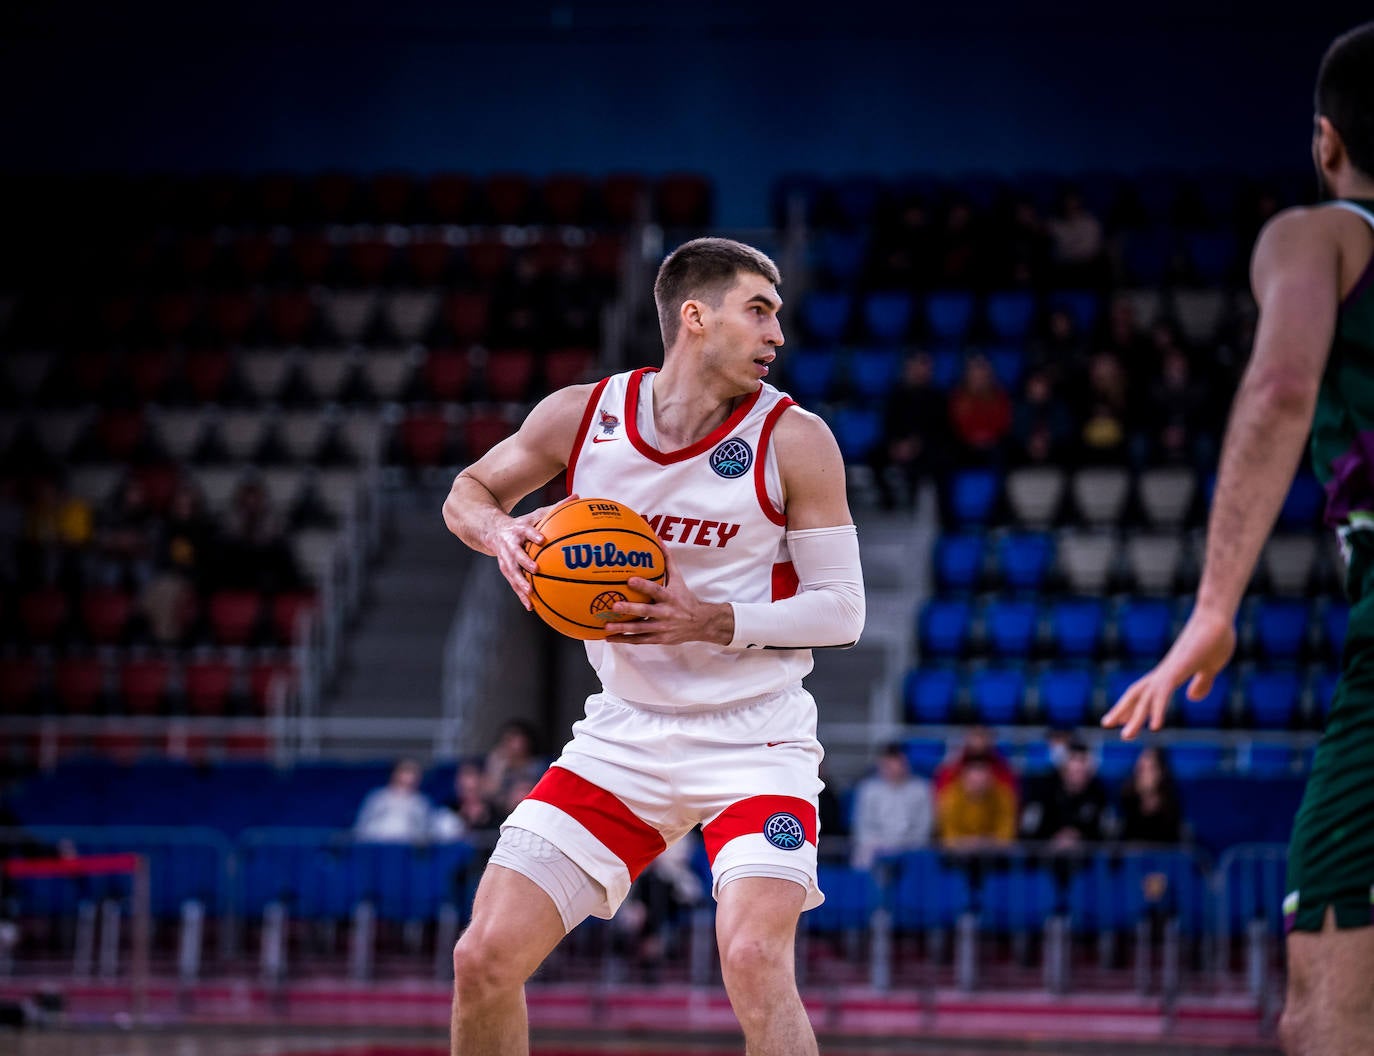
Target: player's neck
{"type": "Point", "coordinates": [1353, 185]}
{"type": "Point", "coordinates": [686, 407]}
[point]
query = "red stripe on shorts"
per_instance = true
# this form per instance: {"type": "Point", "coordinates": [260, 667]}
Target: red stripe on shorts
{"type": "Point", "coordinates": [634, 842]}
{"type": "Point", "coordinates": [748, 815]}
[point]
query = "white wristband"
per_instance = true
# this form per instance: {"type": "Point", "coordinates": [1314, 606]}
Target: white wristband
{"type": "Point", "coordinates": [827, 610]}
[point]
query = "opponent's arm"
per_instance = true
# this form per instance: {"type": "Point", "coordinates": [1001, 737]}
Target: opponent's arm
{"type": "Point", "coordinates": [1295, 274]}
{"type": "Point", "coordinates": [478, 506]}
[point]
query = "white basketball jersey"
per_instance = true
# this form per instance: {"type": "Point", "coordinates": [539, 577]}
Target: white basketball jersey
{"type": "Point", "coordinates": [717, 507]}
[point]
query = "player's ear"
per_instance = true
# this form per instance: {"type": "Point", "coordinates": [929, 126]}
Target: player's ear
{"type": "Point", "coordinates": [1330, 148]}
{"type": "Point", "coordinates": [693, 317]}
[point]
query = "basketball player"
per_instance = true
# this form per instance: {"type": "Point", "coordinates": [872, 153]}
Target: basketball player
{"type": "Point", "coordinates": [702, 718]}
{"type": "Point", "coordinates": [1312, 368]}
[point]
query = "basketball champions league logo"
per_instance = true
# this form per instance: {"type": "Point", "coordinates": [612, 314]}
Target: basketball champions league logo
{"type": "Point", "coordinates": [784, 831]}
{"type": "Point", "coordinates": [732, 458]}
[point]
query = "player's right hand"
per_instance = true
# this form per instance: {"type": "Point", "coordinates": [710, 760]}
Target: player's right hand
{"type": "Point", "coordinates": [1202, 649]}
{"type": "Point", "coordinates": [507, 544]}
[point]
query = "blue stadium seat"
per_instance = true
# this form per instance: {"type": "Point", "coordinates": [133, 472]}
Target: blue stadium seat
{"type": "Point", "coordinates": [1024, 559]}
{"type": "Point", "coordinates": [843, 255]}
{"type": "Point", "coordinates": [1010, 626]}
{"type": "Point", "coordinates": [1119, 680]}
{"type": "Point", "coordinates": [825, 315]}
{"type": "Point", "coordinates": [1008, 362]}
{"type": "Point", "coordinates": [959, 561]}
{"type": "Point", "coordinates": [1335, 620]}
{"type": "Point", "coordinates": [1303, 505]}
{"type": "Point", "coordinates": [1212, 711]}
{"type": "Point", "coordinates": [1117, 758]}
{"type": "Point", "coordinates": [1195, 760]}
{"type": "Point", "coordinates": [931, 694]}
{"type": "Point", "coordinates": [856, 198]}
{"type": "Point", "coordinates": [1281, 627]}
{"type": "Point", "coordinates": [1143, 626]}
{"type": "Point", "coordinates": [1065, 695]}
{"type": "Point", "coordinates": [1269, 760]}
{"type": "Point", "coordinates": [1213, 255]}
{"type": "Point", "coordinates": [1083, 307]}
{"type": "Point", "coordinates": [944, 626]}
{"type": "Point", "coordinates": [1077, 625]}
{"type": "Point", "coordinates": [858, 430]}
{"type": "Point", "coordinates": [847, 906]}
{"type": "Point", "coordinates": [947, 365]}
{"type": "Point", "coordinates": [1324, 691]}
{"type": "Point", "coordinates": [1010, 314]}
{"type": "Point", "coordinates": [1017, 900]}
{"type": "Point", "coordinates": [926, 892]}
{"type": "Point", "coordinates": [874, 372]}
{"type": "Point", "coordinates": [810, 375]}
{"type": "Point", "coordinates": [1148, 256]}
{"type": "Point", "coordinates": [925, 754]}
{"type": "Point", "coordinates": [949, 315]}
{"type": "Point", "coordinates": [973, 495]}
{"type": "Point", "coordinates": [887, 315]}
{"type": "Point", "coordinates": [1272, 698]}
{"type": "Point", "coordinates": [998, 694]}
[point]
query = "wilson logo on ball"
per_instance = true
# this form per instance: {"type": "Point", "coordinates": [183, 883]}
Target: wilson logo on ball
{"type": "Point", "coordinates": [605, 555]}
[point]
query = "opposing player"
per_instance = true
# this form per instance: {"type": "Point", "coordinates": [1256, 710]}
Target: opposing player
{"type": "Point", "coordinates": [702, 718]}
{"type": "Point", "coordinates": [1312, 367]}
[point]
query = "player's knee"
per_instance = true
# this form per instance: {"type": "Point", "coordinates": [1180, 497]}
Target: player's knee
{"type": "Point", "coordinates": [481, 972]}
{"type": "Point", "coordinates": [751, 962]}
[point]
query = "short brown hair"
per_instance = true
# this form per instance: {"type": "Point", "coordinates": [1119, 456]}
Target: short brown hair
{"type": "Point", "coordinates": [704, 269]}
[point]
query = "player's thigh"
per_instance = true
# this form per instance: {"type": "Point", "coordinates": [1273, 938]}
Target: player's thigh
{"type": "Point", "coordinates": [514, 926]}
{"type": "Point", "coordinates": [1331, 973]}
{"type": "Point", "coordinates": [756, 923]}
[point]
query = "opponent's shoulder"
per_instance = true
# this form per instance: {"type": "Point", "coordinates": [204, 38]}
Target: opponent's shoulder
{"type": "Point", "coordinates": [1310, 226]}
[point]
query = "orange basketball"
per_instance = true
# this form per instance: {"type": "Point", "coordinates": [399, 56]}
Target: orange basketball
{"type": "Point", "coordinates": [592, 547]}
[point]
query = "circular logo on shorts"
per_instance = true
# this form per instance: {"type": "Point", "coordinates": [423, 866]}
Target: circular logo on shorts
{"type": "Point", "coordinates": [784, 832]}
{"type": "Point", "coordinates": [732, 458]}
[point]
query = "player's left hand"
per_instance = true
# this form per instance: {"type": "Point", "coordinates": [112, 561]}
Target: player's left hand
{"type": "Point", "coordinates": [673, 615]}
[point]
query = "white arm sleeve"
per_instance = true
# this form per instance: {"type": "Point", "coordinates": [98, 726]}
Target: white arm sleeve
{"type": "Point", "coordinates": [828, 610]}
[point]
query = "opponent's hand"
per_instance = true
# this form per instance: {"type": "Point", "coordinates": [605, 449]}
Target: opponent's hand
{"type": "Point", "coordinates": [1202, 649]}
{"type": "Point", "coordinates": [673, 615]}
{"type": "Point", "coordinates": [506, 542]}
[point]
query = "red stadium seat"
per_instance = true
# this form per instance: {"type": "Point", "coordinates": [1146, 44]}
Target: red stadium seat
{"type": "Point", "coordinates": [254, 254]}
{"type": "Point", "coordinates": [20, 679]}
{"type": "Point", "coordinates": [275, 201]}
{"type": "Point", "coordinates": [105, 613]}
{"type": "Point", "coordinates": [290, 315]}
{"type": "Point", "coordinates": [447, 374]}
{"type": "Point", "coordinates": [424, 439]}
{"type": "Point", "coordinates": [196, 255]}
{"type": "Point", "coordinates": [603, 257]}
{"type": "Point", "coordinates": [42, 613]}
{"type": "Point", "coordinates": [208, 685]}
{"type": "Point", "coordinates": [466, 315]}
{"type": "Point", "coordinates": [449, 198]}
{"type": "Point", "coordinates": [429, 260]}
{"type": "Point", "coordinates": [173, 314]}
{"type": "Point", "coordinates": [568, 366]}
{"type": "Point", "coordinates": [311, 257]}
{"type": "Point", "coordinates": [207, 373]}
{"type": "Point", "coordinates": [488, 259]}
{"type": "Point", "coordinates": [143, 685]}
{"type": "Point", "coordinates": [566, 199]}
{"type": "Point", "coordinates": [623, 194]}
{"type": "Point", "coordinates": [120, 432]}
{"type": "Point", "coordinates": [149, 371]}
{"type": "Point", "coordinates": [482, 432]}
{"type": "Point", "coordinates": [261, 678]}
{"type": "Point", "coordinates": [510, 373]}
{"type": "Point", "coordinates": [369, 260]}
{"type": "Point", "coordinates": [79, 682]}
{"type": "Point", "coordinates": [684, 200]}
{"type": "Point", "coordinates": [231, 314]}
{"type": "Point", "coordinates": [392, 195]}
{"type": "Point", "coordinates": [159, 481]}
{"type": "Point", "coordinates": [286, 612]}
{"type": "Point", "coordinates": [117, 314]}
{"type": "Point", "coordinates": [89, 372]}
{"type": "Point", "coordinates": [234, 616]}
{"type": "Point", "coordinates": [509, 198]}
{"type": "Point", "coordinates": [335, 197]}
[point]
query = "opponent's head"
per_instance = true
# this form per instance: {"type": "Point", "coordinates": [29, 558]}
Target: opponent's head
{"type": "Point", "coordinates": [723, 296]}
{"type": "Point", "coordinates": [1343, 137]}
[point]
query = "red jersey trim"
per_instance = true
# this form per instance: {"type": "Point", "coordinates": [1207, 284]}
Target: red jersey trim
{"type": "Point", "coordinates": [748, 816]}
{"type": "Point", "coordinates": [786, 583]}
{"type": "Point", "coordinates": [582, 431]}
{"type": "Point", "coordinates": [667, 458]}
{"type": "Point", "coordinates": [634, 841]}
{"type": "Point", "coordinates": [778, 517]}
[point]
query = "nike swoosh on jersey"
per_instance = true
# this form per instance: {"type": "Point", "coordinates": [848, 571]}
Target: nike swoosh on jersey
{"type": "Point", "coordinates": [604, 439]}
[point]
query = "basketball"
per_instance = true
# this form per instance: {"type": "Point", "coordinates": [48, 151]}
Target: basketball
{"type": "Point", "coordinates": [592, 548]}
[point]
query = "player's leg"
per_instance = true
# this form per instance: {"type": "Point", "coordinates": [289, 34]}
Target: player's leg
{"type": "Point", "coordinates": [756, 928]}
{"type": "Point", "coordinates": [1330, 1006]}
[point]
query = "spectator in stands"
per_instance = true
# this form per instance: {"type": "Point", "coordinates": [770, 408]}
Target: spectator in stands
{"type": "Point", "coordinates": [512, 759]}
{"type": "Point", "coordinates": [398, 812]}
{"type": "Point", "coordinates": [1076, 241]}
{"type": "Point", "coordinates": [520, 307]}
{"type": "Point", "coordinates": [469, 811]}
{"type": "Point", "coordinates": [1180, 415]}
{"type": "Point", "coordinates": [892, 810]}
{"type": "Point", "coordinates": [1104, 416]}
{"type": "Point", "coordinates": [1122, 337]}
{"type": "Point", "coordinates": [915, 434]}
{"type": "Point", "coordinates": [903, 252]}
{"type": "Point", "coordinates": [126, 538]}
{"type": "Point", "coordinates": [978, 742]}
{"type": "Point", "coordinates": [574, 303]}
{"type": "Point", "coordinates": [1023, 246]}
{"type": "Point", "coordinates": [659, 903]}
{"type": "Point", "coordinates": [1062, 349]}
{"type": "Point", "coordinates": [960, 253]}
{"type": "Point", "coordinates": [976, 811]}
{"type": "Point", "coordinates": [185, 553]}
{"type": "Point", "coordinates": [1150, 808]}
{"type": "Point", "coordinates": [980, 412]}
{"type": "Point", "coordinates": [255, 553]}
{"type": "Point", "coordinates": [58, 528]}
{"type": "Point", "coordinates": [829, 811]}
{"type": "Point", "coordinates": [1069, 806]}
{"type": "Point", "coordinates": [1042, 429]}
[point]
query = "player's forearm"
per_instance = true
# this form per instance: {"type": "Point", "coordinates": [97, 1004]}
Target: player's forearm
{"type": "Point", "coordinates": [828, 611]}
{"type": "Point", "coordinates": [472, 513]}
{"type": "Point", "coordinates": [1264, 442]}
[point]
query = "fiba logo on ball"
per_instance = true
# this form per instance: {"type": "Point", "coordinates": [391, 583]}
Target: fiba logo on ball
{"type": "Point", "coordinates": [731, 458]}
{"type": "Point", "coordinates": [784, 832]}
{"type": "Point", "coordinates": [600, 607]}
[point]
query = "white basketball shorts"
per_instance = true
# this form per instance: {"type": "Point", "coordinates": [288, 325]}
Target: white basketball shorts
{"type": "Point", "coordinates": [634, 780]}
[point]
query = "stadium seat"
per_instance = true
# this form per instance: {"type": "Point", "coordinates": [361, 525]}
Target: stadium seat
{"type": "Point", "coordinates": [1035, 495]}
{"type": "Point", "coordinates": [568, 366]}
{"type": "Point", "coordinates": [1289, 561]}
{"type": "Point", "coordinates": [1212, 256]}
{"type": "Point", "coordinates": [1024, 559]}
{"type": "Point", "coordinates": [944, 626]}
{"type": "Point", "coordinates": [1083, 307]}
{"type": "Point", "coordinates": [1166, 495]}
{"type": "Point", "coordinates": [302, 434]}
{"type": "Point", "coordinates": [448, 198]}
{"type": "Point", "coordinates": [949, 316]}
{"type": "Point", "coordinates": [430, 261]}
{"type": "Point", "coordinates": [368, 260]}
{"type": "Point", "coordinates": [997, 694]}
{"type": "Point", "coordinates": [1065, 696]}
{"type": "Point", "coordinates": [1335, 618]}
{"type": "Point", "coordinates": [1088, 560]}
{"type": "Point", "coordinates": [684, 200]}
{"type": "Point", "coordinates": [466, 315]}
{"type": "Point", "coordinates": [1148, 256]}
{"type": "Point", "coordinates": [1302, 506]}
{"type": "Point", "coordinates": [1117, 758]}
{"type": "Point", "coordinates": [447, 374]}
{"type": "Point", "coordinates": [1324, 691]}
{"type": "Point", "coordinates": [264, 373]}
{"type": "Point", "coordinates": [1191, 761]}
{"type": "Point", "coordinates": [1199, 313]}
{"type": "Point", "coordinates": [143, 684]}
{"type": "Point", "coordinates": [484, 431]}
{"type": "Point", "coordinates": [79, 683]}
{"type": "Point", "coordinates": [179, 433]}
{"type": "Point", "coordinates": [207, 372]}
{"type": "Point", "coordinates": [234, 616]}
{"type": "Point", "coordinates": [1211, 712]}
{"type": "Point", "coordinates": [1008, 363]}
{"type": "Point", "coordinates": [931, 694]}
{"type": "Point", "coordinates": [349, 313]}
{"type": "Point", "coordinates": [1010, 626]}
{"type": "Point", "coordinates": [105, 612]}
{"type": "Point", "coordinates": [924, 754]}
{"type": "Point", "coordinates": [387, 373]}
{"type": "Point", "coordinates": [1143, 626]}
{"type": "Point", "coordinates": [859, 430]}
{"type": "Point", "coordinates": [1100, 494]}
{"type": "Point", "coordinates": [1010, 314]}
{"type": "Point", "coordinates": [21, 678]}
{"type": "Point", "coordinates": [1077, 625]}
{"type": "Point", "coordinates": [1268, 760]}
{"type": "Point", "coordinates": [567, 199]}
{"type": "Point", "coordinates": [510, 374]}
{"type": "Point", "coordinates": [825, 315]}
{"type": "Point", "coordinates": [509, 198]}
{"type": "Point", "coordinates": [286, 614]}
{"type": "Point", "coordinates": [842, 255]}
{"type": "Point", "coordinates": [973, 495]}
{"type": "Point", "coordinates": [242, 433]}
{"type": "Point", "coordinates": [810, 375]}
{"type": "Point", "coordinates": [1271, 698]}
{"type": "Point", "coordinates": [874, 372]}
{"type": "Point", "coordinates": [959, 561]}
{"type": "Point", "coordinates": [1281, 627]}
{"type": "Point", "coordinates": [43, 613]}
{"type": "Point", "coordinates": [1155, 562]}
{"type": "Point", "coordinates": [410, 313]}
{"type": "Point", "coordinates": [290, 315]}
{"type": "Point", "coordinates": [887, 315]}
